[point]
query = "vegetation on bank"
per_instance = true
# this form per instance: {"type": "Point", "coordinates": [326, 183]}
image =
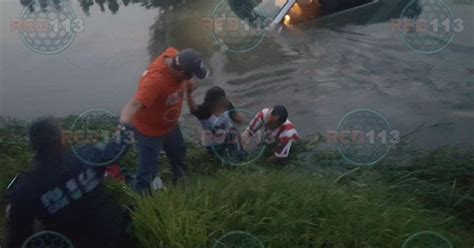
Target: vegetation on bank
{"type": "Point", "coordinates": [318, 200]}
{"type": "Point", "coordinates": [284, 208]}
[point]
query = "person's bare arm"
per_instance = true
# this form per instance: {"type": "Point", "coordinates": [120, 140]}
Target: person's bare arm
{"type": "Point", "coordinates": [239, 119]}
{"type": "Point", "coordinates": [235, 115]}
{"type": "Point", "coordinates": [190, 86]}
{"type": "Point", "coordinates": [129, 111]}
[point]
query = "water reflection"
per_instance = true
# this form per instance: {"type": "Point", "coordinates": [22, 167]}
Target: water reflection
{"type": "Point", "coordinates": [112, 5]}
{"type": "Point", "coordinates": [334, 69]}
{"type": "Point", "coordinates": [244, 9]}
{"type": "Point", "coordinates": [42, 3]}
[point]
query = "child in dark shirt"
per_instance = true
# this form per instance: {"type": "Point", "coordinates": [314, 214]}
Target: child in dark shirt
{"type": "Point", "coordinates": [218, 117]}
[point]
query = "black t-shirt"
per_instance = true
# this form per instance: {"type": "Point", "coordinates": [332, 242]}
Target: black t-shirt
{"type": "Point", "coordinates": [69, 198]}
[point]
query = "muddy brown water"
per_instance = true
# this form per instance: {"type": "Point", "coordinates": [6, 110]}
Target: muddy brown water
{"type": "Point", "coordinates": [320, 74]}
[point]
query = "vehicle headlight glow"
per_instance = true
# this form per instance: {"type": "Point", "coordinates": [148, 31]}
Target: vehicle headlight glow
{"type": "Point", "coordinates": [287, 20]}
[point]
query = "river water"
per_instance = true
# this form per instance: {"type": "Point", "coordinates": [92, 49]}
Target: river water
{"type": "Point", "coordinates": [320, 74]}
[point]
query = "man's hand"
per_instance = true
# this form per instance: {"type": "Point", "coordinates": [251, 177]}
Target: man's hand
{"type": "Point", "coordinates": [129, 111]}
{"type": "Point", "coordinates": [191, 86]}
{"type": "Point", "coordinates": [250, 140]}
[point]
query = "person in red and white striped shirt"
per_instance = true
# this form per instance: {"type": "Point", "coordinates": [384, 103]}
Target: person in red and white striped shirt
{"type": "Point", "coordinates": [276, 129]}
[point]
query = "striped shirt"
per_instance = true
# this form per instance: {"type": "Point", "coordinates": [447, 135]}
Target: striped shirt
{"type": "Point", "coordinates": [283, 137]}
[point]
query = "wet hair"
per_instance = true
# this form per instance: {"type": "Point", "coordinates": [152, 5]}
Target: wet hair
{"type": "Point", "coordinates": [213, 95]}
{"type": "Point", "coordinates": [281, 112]}
{"type": "Point", "coordinates": [212, 98]}
{"type": "Point", "coordinates": [45, 138]}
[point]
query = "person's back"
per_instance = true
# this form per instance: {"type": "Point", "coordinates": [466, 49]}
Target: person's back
{"type": "Point", "coordinates": [66, 196]}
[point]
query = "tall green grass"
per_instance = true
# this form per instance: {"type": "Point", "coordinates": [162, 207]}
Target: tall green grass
{"type": "Point", "coordinates": [287, 208]}
{"type": "Point", "coordinates": [14, 157]}
{"type": "Point", "coordinates": [442, 179]}
{"type": "Point", "coordinates": [318, 200]}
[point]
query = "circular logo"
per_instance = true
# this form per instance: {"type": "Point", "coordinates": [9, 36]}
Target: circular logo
{"type": "Point", "coordinates": [48, 29]}
{"type": "Point", "coordinates": [47, 239]}
{"type": "Point", "coordinates": [94, 139]}
{"type": "Point", "coordinates": [427, 239]}
{"type": "Point", "coordinates": [363, 137]}
{"type": "Point", "coordinates": [238, 239]}
{"type": "Point", "coordinates": [232, 143]}
{"type": "Point", "coordinates": [234, 33]}
{"type": "Point", "coordinates": [428, 25]}
{"type": "Point", "coordinates": [172, 115]}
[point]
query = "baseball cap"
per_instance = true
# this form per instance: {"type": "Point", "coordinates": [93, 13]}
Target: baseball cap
{"type": "Point", "coordinates": [189, 61]}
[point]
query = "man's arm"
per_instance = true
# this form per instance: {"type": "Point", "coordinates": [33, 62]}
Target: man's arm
{"type": "Point", "coordinates": [256, 123]}
{"type": "Point", "coordinates": [234, 115]}
{"type": "Point", "coordinates": [189, 95]}
{"type": "Point", "coordinates": [248, 141]}
{"type": "Point", "coordinates": [280, 156]}
{"type": "Point", "coordinates": [129, 111]}
{"type": "Point", "coordinates": [147, 94]}
{"type": "Point", "coordinates": [285, 140]}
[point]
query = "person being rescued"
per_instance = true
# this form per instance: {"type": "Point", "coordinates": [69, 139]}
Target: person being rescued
{"type": "Point", "coordinates": [272, 127]}
{"type": "Point", "coordinates": [217, 116]}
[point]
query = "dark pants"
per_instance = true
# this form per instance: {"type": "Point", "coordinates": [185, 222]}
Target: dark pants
{"type": "Point", "coordinates": [149, 155]}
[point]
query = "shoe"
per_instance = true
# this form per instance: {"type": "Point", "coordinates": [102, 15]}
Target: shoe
{"type": "Point", "coordinates": [157, 184]}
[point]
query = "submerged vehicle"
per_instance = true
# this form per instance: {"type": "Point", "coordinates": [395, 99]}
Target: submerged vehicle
{"type": "Point", "coordinates": [284, 13]}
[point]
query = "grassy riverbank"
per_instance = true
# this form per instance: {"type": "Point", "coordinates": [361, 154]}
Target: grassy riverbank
{"type": "Point", "coordinates": [318, 200]}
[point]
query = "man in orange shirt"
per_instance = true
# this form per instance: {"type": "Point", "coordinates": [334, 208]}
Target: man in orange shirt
{"type": "Point", "coordinates": [155, 109]}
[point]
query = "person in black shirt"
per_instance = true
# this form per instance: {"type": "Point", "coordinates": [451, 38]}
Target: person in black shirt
{"type": "Point", "coordinates": [63, 194]}
{"type": "Point", "coordinates": [216, 113]}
